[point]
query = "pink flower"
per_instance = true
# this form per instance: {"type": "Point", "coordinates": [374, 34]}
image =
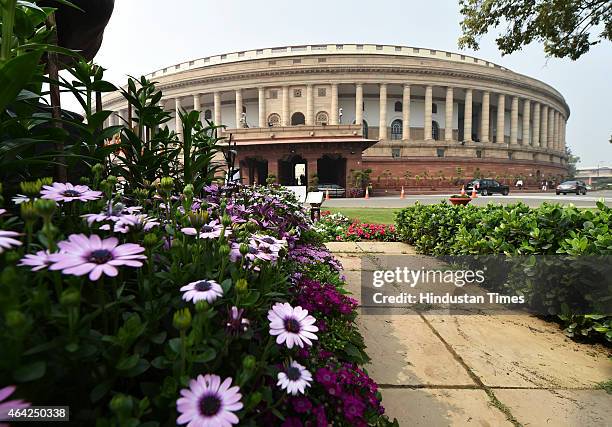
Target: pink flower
{"type": "Point", "coordinates": [67, 192]}
{"type": "Point", "coordinates": [80, 255]}
{"type": "Point", "coordinates": [6, 406]}
{"type": "Point", "coordinates": [291, 325]}
{"type": "Point", "coordinates": [38, 261]}
{"type": "Point", "coordinates": [7, 241]}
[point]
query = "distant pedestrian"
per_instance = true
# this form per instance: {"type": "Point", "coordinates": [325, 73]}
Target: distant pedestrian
{"type": "Point", "coordinates": [519, 184]}
{"type": "Point", "coordinates": [544, 185]}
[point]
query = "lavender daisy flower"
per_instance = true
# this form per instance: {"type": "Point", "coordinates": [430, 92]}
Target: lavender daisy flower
{"type": "Point", "coordinates": [294, 378]}
{"type": "Point", "coordinates": [6, 406]}
{"type": "Point", "coordinates": [7, 241]}
{"type": "Point", "coordinates": [208, 290]}
{"type": "Point", "coordinates": [291, 325]}
{"type": "Point", "coordinates": [134, 223]}
{"type": "Point", "coordinates": [67, 192]}
{"type": "Point", "coordinates": [2, 211]}
{"type": "Point", "coordinates": [112, 213]}
{"type": "Point", "coordinates": [20, 198]}
{"type": "Point", "coordinates": [274, 244]}
{"type": "Point", "coordinates": [212, 230]}
{"type": "Point", "coordinates": [209, 402]}
{"type": "Point", "coordinates": [38, 261]}
{"type": "Point", "coordinates": [81, 255]}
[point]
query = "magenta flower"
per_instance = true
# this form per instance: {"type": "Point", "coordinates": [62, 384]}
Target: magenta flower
{"type": "Point", "coordinates": [209, 402]}
{"type": "Point", "coordinates": [80, 255]}
{"type": "Point", "coordinates": [291, 325]}
{"type": "Point", "coordinates": [236, 323]}
{"type": "Point", "coordinates": [7, 241]}
{"type": "Point", "coordinates": [294, 378]}
{"type": "Point", "coordinates": [208, 290]}
{"type": "Point", "coordinates": [6, 406]}
{"type": "Point", "coordinates": [67, 192]}
{"type": "Point", "coordinates": [38, 261]}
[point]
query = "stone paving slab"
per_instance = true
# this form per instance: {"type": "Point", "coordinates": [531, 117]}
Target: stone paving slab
{"type": "Point", "coordinates": [522, 351]}
{"type": "Point", "coordinates": [353, 283]}
{"type": "Point", "coordinates": [389, 248]}
{"type": "Point", "coordinates": [343, 247]}
{"type": "Point", "coordinates": [442, 408]}
{"type": "Point", "coordinates": [350, 262]}
{"type": "Point", "coordinates": [404, 351]}
{"type": "Point", "coordinates": [559, 408]}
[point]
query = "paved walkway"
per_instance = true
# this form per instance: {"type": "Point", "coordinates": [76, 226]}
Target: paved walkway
{"type": "Point", "coordinates": [477, 370]}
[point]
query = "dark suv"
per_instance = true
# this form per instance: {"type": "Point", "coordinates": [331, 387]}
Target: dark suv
{"type": "Point", "coordinates": [487, 186]}
{"type": "Point", "coordinates": [578, 187]}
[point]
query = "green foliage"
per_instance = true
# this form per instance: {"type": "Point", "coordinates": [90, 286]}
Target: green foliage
{"type": "Point", "coordinates": [550, 229]}
{"type": "Point", "coordinates": [567, 28]}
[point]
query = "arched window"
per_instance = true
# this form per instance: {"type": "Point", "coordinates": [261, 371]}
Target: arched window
{"type": "Point", "coordinates": [274, 120]}
{"type": "Point", "coordinates": [398, 106]}
{"type": "Point", "coordinates": [435, 130]}
{"type": "Point", "coordinates": [434, 108]}
{"type": "Point", "coordinates": [365, 129]}
{"type": "Point", "coordinates": [297, 119]}
{"type": "Point", "coordinates": [396, 129]}
{"type": "Point", "coordinates": [321, 118]}
{"type": "Point", "coordinates": [208, 115]}
{"type": "Point", "coordinates": [244, 109]}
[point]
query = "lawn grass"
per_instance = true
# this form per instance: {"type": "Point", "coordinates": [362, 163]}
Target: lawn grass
{"type": "Point", "coordinates": [371, 215]}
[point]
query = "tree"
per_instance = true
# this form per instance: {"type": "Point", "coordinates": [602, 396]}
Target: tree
{"type": "Point", "coordinates": [572, 161]}
{"type": "Point", "coordinates": [567, 28]}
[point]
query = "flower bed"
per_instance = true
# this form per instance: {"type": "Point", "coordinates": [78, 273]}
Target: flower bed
{"type": "Point", "coordinates": [517, 229]}
{"type": "Point", "coordinates": [339, 228]}
{"type": "Point", "coordinates": [159, 308]}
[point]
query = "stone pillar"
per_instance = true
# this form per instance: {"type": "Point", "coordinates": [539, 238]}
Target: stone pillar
{"type": "Point", "coordinates": [544, 127]}
{"type": "Point", "coordinates": [514, 120]}
{"type": "Point", "coordinates": [467, 116]}
{"type": "Point", "coordinates": [484, 120]}
{"type": "Point", "coordinates": [556, 131]}
{"type": "Point", "coordinates": [196, 102]}
{"type": "Point", "coordinates": [448, 120]}
{"type": "Point", "coordinates": [334, 104]}
{"type": "Point", "coordinates": [427, 119]}
{"type": "Point", "coordinates": [309, 105]}
{"type": "Point", "coordinates": [238, 106]}
{"type": "Point", "coordinates": [501, 111]}
{"type": "Point", "coordinates": [526, 120]}
{"type": "Point", "coordinates": [285, 106]}
{"type": "Point", "coordinates": [382, 125]}
{"type": "Point", "coordinates": [261, 98]}
{"type": "Point", "coordinates": [217, 108]}
{"type": "Point", "coordinates": [178, 123]}
{"type": "Point", "coordinates": [359, 104]}
{"type": "Point", "coordinates": [406, 113]}
{"type": "Point", "coordinates": [551, 128]}
{"type": "Point", "coordinates": [563, 134]}
{"type": "Point", "coordinates": [536, 125]}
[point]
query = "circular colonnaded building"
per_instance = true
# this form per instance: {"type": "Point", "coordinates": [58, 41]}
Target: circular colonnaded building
{"type": "Point", "coordinates": [406, 113]}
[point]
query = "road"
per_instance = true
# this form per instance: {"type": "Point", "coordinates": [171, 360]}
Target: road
{"type": "Point", "coordinates": [531, 199]}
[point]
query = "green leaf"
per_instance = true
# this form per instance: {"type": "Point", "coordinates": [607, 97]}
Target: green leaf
{"type": "Point", "coordinates": [30, 372]}
{"type": "Point", "coordinates": [206, 356]}
{"type": "Point", "coordinates": [128, 362]}
{"type": "Point", "coordinates": [15, 74]}
{"type": "Point", "coordinates": [100, 390]}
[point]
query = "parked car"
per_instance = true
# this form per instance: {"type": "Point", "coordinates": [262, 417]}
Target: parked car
{"type": "Point", "coordinates": [578, 187]}
{"type": "Point", "coordinates": [334, 190]}
{"type": "Point", "coordinates": [487, 186]}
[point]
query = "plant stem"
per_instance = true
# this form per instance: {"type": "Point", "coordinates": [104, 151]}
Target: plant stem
{"type": "Point", "coordinates": [8, 22]}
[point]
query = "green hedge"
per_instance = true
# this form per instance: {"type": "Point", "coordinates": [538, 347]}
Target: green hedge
{"type": "Point", "coordinates": [517, 229]}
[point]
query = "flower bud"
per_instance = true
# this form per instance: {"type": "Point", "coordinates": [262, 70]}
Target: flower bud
{"type": "Point", "coordinates": [28, 213]}
{"type": "Point", "coordinates": [166, 184]}
{"type": "Point", "coordinates": [121, 405]}
{"type": "Point", "coordinates": [226, 221]}
{"type": "Point", "coordinates": [71, 297]}
{"type": "Point", "coordinates": [244, 249]}
{"type": "Point", "coordinates": [249, 362]}
{"type": "Point", "coordinates": [223, 205]}
{"type": "Point", "coordinates": [224, 251]}
{"type": "Point", "coordinates": [97, 170]}
{"type": "Point", "coordinates": [150, 240]}
{"type": "Point", "coordinates": [201, 306]}
{"type": "Point", "coordinates": [197, 219]}
{"type": "Point", "coordinates": [182, 319]}
{"type": "Point", "coordinates": [46, 180]}
{"type": "Point", "coordinates": [141, 193]}
{"type": "Point", "coordinates": [84, 180]}
{"type": "Point", "coordinates": [112, 180]}
{"type": "Point", "coordinates": [45, 208]}
{"type": "Point", "coordinates": [242, 285]}
{"type": "Point", "coordinates": [15, 319]}
{"type": "Point", "coordinates": [31, 188]}
{"type": "Point", "coordinates": [188, 191]}
{"type": "Point", "coordinates": [251, 226]}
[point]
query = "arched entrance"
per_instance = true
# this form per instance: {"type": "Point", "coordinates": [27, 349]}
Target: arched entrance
{"type": "Point", "coordinates": [256, 170]}
{"type": "Point", "coordinates": [292, 170]}
{"type": "Point", "coordinates": [298, 119]}
{"type": "Point", "coordinates": [331, 169]}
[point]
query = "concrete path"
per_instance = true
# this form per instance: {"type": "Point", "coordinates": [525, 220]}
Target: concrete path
{"type": "Point", "coordinates": [477, 370]}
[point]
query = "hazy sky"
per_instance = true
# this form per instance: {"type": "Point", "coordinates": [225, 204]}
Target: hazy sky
{"type": "Point", "coordinates": [146, 35]}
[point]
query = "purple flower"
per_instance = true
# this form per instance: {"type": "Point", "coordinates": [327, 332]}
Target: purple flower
{"type": "Point", "coordinates": [2, 211]}
{"type": "Point", "coordinates": [319, 413]}
{"type": "Point", "coordinates": [353, 407]}
{"type": "Point", "coordinates": [7, 405]}
{"type": "Point", "coordinates": [20, 198]}
{"type": "Point", "coordinates": [208, 290]}
{"type": "Point", "coordinates": [67, 192]}
{"type": "Point", "coordinates": [325, 376]}
{"type": "Point", "coordinates": [111, 213]}
{"type": "Point", "coordinates": [212, 230]}
{"type": "Point", "coordinates": [301, 405]}
{"type": "Point", "coordinates": [7, 241]}
{"type": "Point", "coordinates": [292, 422]}
{"type": "Point", "coordinates": [38, 261]}
{"type": "Point", "coordinates": [274, 244]}
{"type": "Point", "coordinates": [134, 223]}
{"type": "Point", "coordinates": [294, 378]}
{"type": "Point", "coordinates": [291, 325]}
{"type": "Point", "coordinates": [209, 402]}
{"type": "Point", "coordinates": [237, 324]}
{"type": "Point", "coordinates": [81, 255]}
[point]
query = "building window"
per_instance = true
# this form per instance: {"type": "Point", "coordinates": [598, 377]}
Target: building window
{"type": "Point", "coordinates": [510, 155]}
{"type": "Point", "coordinates": [434, 108]}
{"type": "Point", "coordinates": [432, 52]}
{"type": "Point", "coordinates": [297, 61]}
{"type": "Point", "coordinates": [396, 129]}
{"type": "Point", "coordinates": [398, 48]}
{"type": "Point", "coordinates": [398, 106]}
{"type": "Point", "coordinates": [479, 154]}
{"type": "Point", "coordinates": [435, 131]}
{"type": "Point", "coordinates": [321, 119]}
{"type": "Point", "coordinates": [379, 47]}
{"type": "Point", "coordinates": [365, 129]}
{"type": "Point", "coordinates": [271, 62]}
{"type": "Point", "coordinates": [244, 110]}
{"type": "Point", "coordinates": [440, 152]}
{"type": "Point", "coordinates": [339, 47]}
{"type": "Point", "coordinates": [259, 52]}
{"type": "Point", "coordinates": [274, 120]}
{"type": "Point", "coordinates": [415, 49]}
{"type": "Point", "coordinates": [240, 54]}
{"type": "Point", "coordinates": [322, 59]}
{"type": "Point", "coordinates": [297, 93]}
{"type": "Point", "coordinates": [322, 91]}
{"type": "Point", "coordinates": [208, 115]}
{"type": "Point", "coordinates": [224, 56]}
{"type": "Point", "coordinates": [395, 153]}
{"type": "Point", "coordinates": [359, 47]}
{"type": "Point", "coordinates": [297, 119]}
{"type": "Point", "coordinates": [273, 94]}
{"type": "Point", "coordinates": [448, 54]}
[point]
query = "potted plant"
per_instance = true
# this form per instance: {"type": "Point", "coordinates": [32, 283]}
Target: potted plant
{"type": "Point", "coordinates": [460, 199]}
